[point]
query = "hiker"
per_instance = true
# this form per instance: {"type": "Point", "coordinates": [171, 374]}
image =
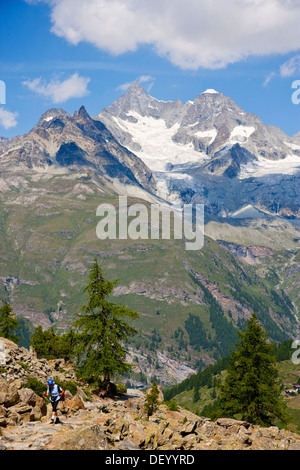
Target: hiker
{"type": "Point", "coordinates": [56, 393]}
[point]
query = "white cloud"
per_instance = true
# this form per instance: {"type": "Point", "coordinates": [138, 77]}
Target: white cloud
{"type": "Point", "coordinates": [189, 33]}
{"type": "Point", "coordinates": [8, 119]}
{"type": "Point", "coordinates": [124, 86]}
{"type": "Point", "coordinates": [142, 80]}
{"type": "Point", "coordinates": [60, 91]}
{"type": "Point", "coordinates": [145, 79]}
{"type": "Point", "coordinates": [269, 78]}
{"type": "Point", "coordinates": [291, 67]}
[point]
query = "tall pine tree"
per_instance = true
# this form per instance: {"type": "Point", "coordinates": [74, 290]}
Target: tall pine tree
{"type": "Point", "coordinates": [250, 388]}
{"type": "Point", "coordinates": [103, 329]}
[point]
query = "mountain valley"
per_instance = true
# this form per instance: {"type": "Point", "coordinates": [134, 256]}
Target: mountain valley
{"type": "Point", "coordinates": [191, 304]}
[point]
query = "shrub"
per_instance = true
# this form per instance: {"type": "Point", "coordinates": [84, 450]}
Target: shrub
{"type": "Point", "coordinates": [172, 405]}
{"type": "Point", "coordinates": [36, 385]}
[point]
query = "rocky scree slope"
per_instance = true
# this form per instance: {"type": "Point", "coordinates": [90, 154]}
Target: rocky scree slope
{"type": "Point", "coordinates": [20, 404]}
{"type": "Point", "coordinates": [112, 424]}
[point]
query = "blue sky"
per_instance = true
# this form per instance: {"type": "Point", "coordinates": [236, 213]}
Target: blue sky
{"type": "Point", "coordinates": [65, 53]}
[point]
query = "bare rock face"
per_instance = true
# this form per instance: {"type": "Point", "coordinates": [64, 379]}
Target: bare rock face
{"type": "Point", "coordinates": [75, 143]}
{"type": "Point", "coordinates": [253, 253]}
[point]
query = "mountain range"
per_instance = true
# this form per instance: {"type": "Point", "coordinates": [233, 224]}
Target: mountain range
{"type": "Point", "coordinates": [191, 304]}
{"type": "Point", "coordinates": [210, 151]}
{"type": "Point", "coordinates": [205, 151]}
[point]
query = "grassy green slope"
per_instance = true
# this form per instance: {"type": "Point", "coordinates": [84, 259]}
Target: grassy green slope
{"type": "Point", "coordinates": [48, 241]}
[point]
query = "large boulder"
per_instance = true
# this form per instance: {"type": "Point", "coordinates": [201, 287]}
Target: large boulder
{"type": "Point", "coordinates": [9, 396]}
{"type": "Point", "coordinates": [28, 396]}
{"type": "Point", "coordinates": [91, 437]}
{"type": "Point", "coordinates": [20, 412]}
{"type": "Point", "coordinates": [74, 404]}
{"type": "Point", "coordinates": [19, 404]}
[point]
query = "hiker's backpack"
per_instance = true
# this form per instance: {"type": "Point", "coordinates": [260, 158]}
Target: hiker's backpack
{"type": "Point", "coordinates": [63, 396]}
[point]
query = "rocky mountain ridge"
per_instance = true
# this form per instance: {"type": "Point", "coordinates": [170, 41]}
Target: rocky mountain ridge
{"type": "Point", "coordinates": [63, 143]}
{"type": "Point", "coordinates": [210, 122]}
{"type": "Point", "coordinates": [209, 151]}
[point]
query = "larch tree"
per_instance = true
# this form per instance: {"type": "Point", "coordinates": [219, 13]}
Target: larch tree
{"type": "Point", "coordinates": [103, 327]}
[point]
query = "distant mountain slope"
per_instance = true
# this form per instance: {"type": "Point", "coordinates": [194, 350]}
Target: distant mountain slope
{"type": "Point", "coordinates": [190, 303]}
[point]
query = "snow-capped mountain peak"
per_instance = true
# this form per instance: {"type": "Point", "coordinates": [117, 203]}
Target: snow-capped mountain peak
{"type": "Point", "coordinates": [210, 91]}
{"type": "Point", "coordinates": [198, 147]}
{"type": "Point", "coordinates": [193, 131]}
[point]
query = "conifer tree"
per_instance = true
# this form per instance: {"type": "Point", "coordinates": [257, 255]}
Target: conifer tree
{"type": "Point", "coordinates": [151, 402]}
{"type": "Point", "coordinates": [49, 345]}
{"type": "Point", "coordinates": [250, 388]}
{"type": "Point", "coordinates": [8, 322]}
{"type": "Point", "coordinates": [103, 329]}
